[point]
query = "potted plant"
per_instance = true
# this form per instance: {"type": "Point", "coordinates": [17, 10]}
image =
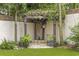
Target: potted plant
{"type": "Point", "coordinates": [51, 40]}
{"type": "Point", "coordinates": [24, 41]}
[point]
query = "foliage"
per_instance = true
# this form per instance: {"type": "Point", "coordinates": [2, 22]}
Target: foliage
{"type": "Point", "coordinates": [51, 40]}
{"type": "Point", "coordinates": [51, 8]}
{"type": "Point", "coordinates": [22, 8]}
{"type": "Point", "coordinates": [75, 34]}
{"type": "Point", "coordinates": [24, 42]}
{"type": "Point", "coordinates": [7, 44]}
{"type": "Point", "coordinates": [18, 10]}
{"type": "Point", "coordinates": [50, 37]}
{"type": "Point", "coordinates": [11, 9]}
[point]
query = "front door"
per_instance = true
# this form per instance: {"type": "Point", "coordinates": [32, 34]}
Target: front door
{"type": "Point", "coordinates": [39, 31]}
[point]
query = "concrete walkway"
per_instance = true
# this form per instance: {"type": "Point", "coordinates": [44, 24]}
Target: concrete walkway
{"type": "Point", "coordinates": [39, 46]}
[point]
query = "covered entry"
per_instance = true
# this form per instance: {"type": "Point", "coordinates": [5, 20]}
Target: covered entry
{"type": "Point", "coordinates": [40, 26]}
{"type": "Point", "coordinates": [38, 23]}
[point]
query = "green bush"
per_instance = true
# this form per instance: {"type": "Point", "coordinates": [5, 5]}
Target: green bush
{"type": "Point", "coordinates": [75, 34]}
{"type": "Point", "coordinates": [24, 41]}
{"type": "Point", "coordinates": [50, 37]}
{"type": "Point", "coordinates": [7, 44]}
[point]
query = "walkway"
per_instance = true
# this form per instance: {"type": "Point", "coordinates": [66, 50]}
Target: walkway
{"type": "Point", "coordinates": [39, 44]}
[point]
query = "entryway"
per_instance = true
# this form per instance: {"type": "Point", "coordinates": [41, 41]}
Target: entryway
{"type": "Point", "coordinates": [39, 34]}
{"type": "Point", "coordinates": [38, 26]}
{"type": "Point", "coordinates": [39, 31]}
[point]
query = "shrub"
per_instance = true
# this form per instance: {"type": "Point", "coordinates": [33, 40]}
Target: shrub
{"type": "Point", "coordinates": [51, 40]}
{"type": "Point", "coordinates": [24, 41]}
{"type": "Point", "coordinates": [50, 37]}
{"type": "Point", "coordinates": [7, 44]}
{"type": "Point", "coordinates": [75, 35]}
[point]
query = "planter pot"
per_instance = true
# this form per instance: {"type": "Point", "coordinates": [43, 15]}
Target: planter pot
{"type": "Point", "coordinates": [51, 43]}
{"type": "Point", "coordinates": [24, 45]}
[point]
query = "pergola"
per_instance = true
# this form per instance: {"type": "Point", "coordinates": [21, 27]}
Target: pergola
{"type": "Point", "coordinates": [38, 16]}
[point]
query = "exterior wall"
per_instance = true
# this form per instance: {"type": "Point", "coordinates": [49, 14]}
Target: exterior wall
{"type": "Point", "coordinates": [30, 29]}
{"type": "Point", "coordinates": [7, 30]}
{"type": "Point", "coordinates": [49, 28]}
{"type": "Point", "coordinates": [70, 21]}
{"type": "Point", "coordinates": [20, 30]}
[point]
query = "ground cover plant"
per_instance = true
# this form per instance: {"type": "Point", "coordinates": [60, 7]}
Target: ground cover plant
{"type": "Point", "coordinates": [7, 44]}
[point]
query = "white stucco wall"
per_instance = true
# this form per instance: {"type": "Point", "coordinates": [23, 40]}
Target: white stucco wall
{"type": "Point", "coordinates": [30, 29]}
{"type": "Point", "coordinates": [7, 30]}
{"type": "Point", "coordinates": [70, 21]}
{"type": "Point", "coordinates": [20, 30]}
{"type": "Point", "coordinates": [49, 28]}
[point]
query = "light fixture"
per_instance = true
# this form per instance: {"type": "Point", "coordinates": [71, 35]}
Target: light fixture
{"type": "Point", "coordinates": [43, 26]}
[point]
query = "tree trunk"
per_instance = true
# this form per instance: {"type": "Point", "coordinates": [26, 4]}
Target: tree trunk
{"type": "Point", "coordinates": [9, 10]}
{"type": "Point", "coordinates": [54, 29]}
{"type": "Point", "coordinates": [16, 26]}
{"type": "Point", "coordinates": [60, 25]}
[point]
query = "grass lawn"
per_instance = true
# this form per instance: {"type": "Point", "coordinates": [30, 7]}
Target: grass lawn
{"type": "Point", "coordinates": [40, 52]}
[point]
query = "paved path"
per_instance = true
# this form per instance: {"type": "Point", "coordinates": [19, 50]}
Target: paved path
{"type": "Point", "coordinates": [39, 46]}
